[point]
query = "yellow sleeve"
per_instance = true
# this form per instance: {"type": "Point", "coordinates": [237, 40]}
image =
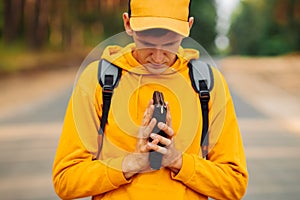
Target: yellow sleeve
{"type": "Point", "coordinates": [76, 173]}
{"type": "Point", "coordinates": [224, 174]}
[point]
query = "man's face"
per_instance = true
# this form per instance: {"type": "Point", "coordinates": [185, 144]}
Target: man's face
{"type": "Point", "coordinates": [156, 53]}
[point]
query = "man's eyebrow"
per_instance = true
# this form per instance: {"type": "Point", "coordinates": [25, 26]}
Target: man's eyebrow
{"type": "Point", "coordinates": [170, 43]}
{"type": "Point", "coordinates": [146, 43]}
{"type": "Point", "coordinates": [153, 44]}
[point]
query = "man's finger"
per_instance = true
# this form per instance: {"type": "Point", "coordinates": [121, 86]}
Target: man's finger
{"type": "Point", "coordinates": [168, 117]}
{"type": "Point", "coordinates": [160, 139]}
{"type": "Point", "coordinates": [146, 131]}
{"type": "Point", "coordinates": [148, 113]}
{"type": "Point", "coordinates": [164, 127]}
{"type": "Point", "coordinates": [157, 148]}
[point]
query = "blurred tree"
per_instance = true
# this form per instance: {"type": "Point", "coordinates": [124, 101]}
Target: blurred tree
{"type": "Point", "coordinates": [76, 23]}
{"type": "Point", "coordinates": [36, 14]}
{"type": "Point", "coordinates": [269, 27]}
{"type": "Point", "coordinates": [62, 24]}
{"type": "Point", "coordinates": [1, 18]}
{"type": "Point", "coordinates": [12, 18]}
{"type": "Point", "coordinates": [204, 28]}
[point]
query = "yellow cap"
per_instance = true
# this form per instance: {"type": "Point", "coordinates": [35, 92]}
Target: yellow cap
{"type": "Point", "coordinates": [167, 14]}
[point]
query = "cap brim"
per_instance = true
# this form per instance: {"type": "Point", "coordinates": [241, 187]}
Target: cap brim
{"type": "Point", "coordinates": [144, 23]}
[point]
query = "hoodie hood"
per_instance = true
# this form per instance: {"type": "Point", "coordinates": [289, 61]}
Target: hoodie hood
{"type": "Point", "coordinates": [123, 58]}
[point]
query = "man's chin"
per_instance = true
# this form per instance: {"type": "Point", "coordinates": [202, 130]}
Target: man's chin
{"type": "Point", "coordinates": [156, 70]}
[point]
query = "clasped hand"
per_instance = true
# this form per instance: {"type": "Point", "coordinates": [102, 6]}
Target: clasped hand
{"type": "Point", "coordinates": [138, 162]}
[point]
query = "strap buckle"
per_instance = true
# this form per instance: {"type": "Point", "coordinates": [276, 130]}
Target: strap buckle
{"type": "Point", "coordinates": [204, 95]}
{"type": "Point", "coordinates": [108, 88]}
{"type": "Point", "coordinates": [107, 91]}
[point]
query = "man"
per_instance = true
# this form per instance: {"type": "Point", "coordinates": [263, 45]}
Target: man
{"type": "Point", "coordinates": [155, 61]}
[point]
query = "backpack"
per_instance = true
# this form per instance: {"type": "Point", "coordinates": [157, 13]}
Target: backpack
{"type": "Point", "coordinates": [202, 81]}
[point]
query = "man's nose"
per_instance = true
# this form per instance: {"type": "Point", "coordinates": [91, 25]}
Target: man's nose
{"type": "Point", "coordinates": [158, 55]}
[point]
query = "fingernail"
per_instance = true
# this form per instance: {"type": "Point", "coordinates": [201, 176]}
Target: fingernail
{"type": "Point", "coordinates": [150, 144]}
{"type": "Point", "coordinates": [161, 125]}
{"type": "Point", "coordinates": [164, 151]}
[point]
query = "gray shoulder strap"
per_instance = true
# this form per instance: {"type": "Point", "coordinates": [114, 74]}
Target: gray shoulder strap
{"type": "Point", "coordinates": [106, 68]}
{"type": "Point", "coordinates": [199, 70]}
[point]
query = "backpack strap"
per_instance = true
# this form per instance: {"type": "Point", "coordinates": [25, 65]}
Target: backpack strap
{"type": "Point", "coordinates": [108, 76]}
{"type": "Point", "coordinates": [202, 81]}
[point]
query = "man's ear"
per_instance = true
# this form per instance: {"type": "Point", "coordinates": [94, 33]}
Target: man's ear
{"type": "Point", "coordinates": [126, 21]}
{"type": "Point", "coordinates": [191, 22]}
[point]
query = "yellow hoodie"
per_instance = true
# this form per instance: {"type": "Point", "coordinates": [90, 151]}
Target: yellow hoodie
{"type": "Point", "coordinates": [76, 172]}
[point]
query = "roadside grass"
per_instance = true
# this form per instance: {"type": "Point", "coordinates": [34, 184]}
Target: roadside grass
{"type": "Point", "coordinates": [18, 59]}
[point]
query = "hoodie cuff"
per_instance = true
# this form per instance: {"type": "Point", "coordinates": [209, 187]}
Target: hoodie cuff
{"type": "Point", "coordinates": [187, 170]}
{"type": "Point", "coordinates": [115, 174]}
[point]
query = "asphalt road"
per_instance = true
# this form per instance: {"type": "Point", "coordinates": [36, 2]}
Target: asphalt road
{"type": "Point", "coordinates": [28, 142]}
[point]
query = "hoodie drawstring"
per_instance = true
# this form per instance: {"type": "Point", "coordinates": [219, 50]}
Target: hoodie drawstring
{"type": "Point", "coordinates": [137, 95]}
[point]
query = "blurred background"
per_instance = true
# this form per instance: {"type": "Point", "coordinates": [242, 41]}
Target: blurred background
{"type": "Point", "coordinates": [255, 43]}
